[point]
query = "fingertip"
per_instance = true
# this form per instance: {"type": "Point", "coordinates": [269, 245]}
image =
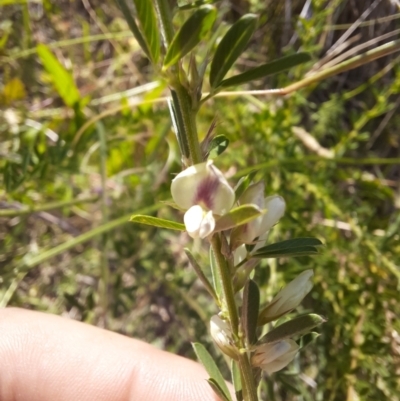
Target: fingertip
{"type": "Point", "coordinates": [46, 358]}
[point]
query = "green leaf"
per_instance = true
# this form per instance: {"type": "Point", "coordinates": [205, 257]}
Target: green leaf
{"type": "Point", "coordinates": [264, 70]}
{"type": "Point", "coordinates": [212, 369]}
{"type": "Point", "coordinates": [250, 308]}
{"type": "Point", "coordinates": [294, 327]}
{"type": "Point", "coordinates": [236, 380]}
{"type": "Point", "coordinates": [178, 124]}
{"type": "Point", "coordinates": [60, 77]}
{"type": "Point", "coordinates": [157, 222]}
{"type": "Point", "coordinates": [237, 217]}
{"type": "Point", "coordinates": [133, 26]}
{"type": "Point", "coordinates": [292, 247]}
{"type": "Point", "coordinates": [217, 389]}
{"type": "Point", "coordinates": [201, 275]}
{"type": "Point", "coordinates": [292, 243]}
{"type": "Point", "coordinates": [305, 251]}
{"type": "Point", "coordinates": [215, 274]}
{"type": "Point", "coordinates": [190, 34]}
{"type": "Point", "coordinates": [231, 47]}
{"type": "Point", "coordinates": [217, 146]}
{"type": "Point", "coordinates": [147, 18]}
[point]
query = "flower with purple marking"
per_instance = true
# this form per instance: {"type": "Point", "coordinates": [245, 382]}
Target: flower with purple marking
{"type": "Point", "coordinates": [204, 193]}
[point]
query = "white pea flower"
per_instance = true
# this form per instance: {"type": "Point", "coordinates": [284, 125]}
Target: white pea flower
{"type": "Point", "coordinates": [274, 356]}
{"type": "Point", "coordinates": [288, 298]}
{"type": "Point", "coordinates": [204, 192]}
{"type": "Point", "coordinates": [222, 335]}
{"type": "Point", "coordinates": [259, 227]}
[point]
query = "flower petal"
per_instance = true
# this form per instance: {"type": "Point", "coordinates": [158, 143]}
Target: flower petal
{"type": "Point", "coordinates": [289, 297]}
{"type": "Point", "coordinates": [198, 223]}
{"type": "Point", "coordinates": [275, 206]}
{"type": "Point", "coordinates": [222, 335]}
{"type": "Point", "coordinates": [274, 357]}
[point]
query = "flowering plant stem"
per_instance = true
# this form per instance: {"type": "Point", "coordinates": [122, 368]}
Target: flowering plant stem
{"type": "Point", "coordinates": [182, 100]}
{"type": "Point", "coordinates": [183, 106]}
{"type": "Point", "coordinates": [249, 389]}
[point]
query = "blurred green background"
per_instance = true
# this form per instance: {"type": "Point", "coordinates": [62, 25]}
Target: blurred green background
{"type": "Point", "coordinates": [86, 141]}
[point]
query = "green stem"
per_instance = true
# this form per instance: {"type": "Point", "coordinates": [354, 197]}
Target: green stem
{"type": "Point", "coordinates": [182, 100]}
{"type": "Point", "coordinates": [188, 116]}
{"type": "Point", "coordinates": [229, 299]}
{"type": "Point", "coordinates": [226, 281]}
{"type": "Point", "coordinates": [248, 377]}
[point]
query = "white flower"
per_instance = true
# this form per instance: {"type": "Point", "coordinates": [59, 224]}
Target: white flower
{"type": "Point", "coordinates": [204, 192]}
{"type": "Point", "coordinates": [259, 227]}
{"type": "Point", "coordinates": [222, 335]}
{"type": "Point", "coordinates": [287, 299]}
{"type": "Point", "coordinates": [275, 356]}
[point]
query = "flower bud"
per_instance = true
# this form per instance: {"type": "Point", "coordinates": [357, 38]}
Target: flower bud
{"type": "Point", "coordinates": [274, 356]}
{"type": "Point", "coordinates": [222, 335]}
{"type": "Point", "coordinates": [274, 206]}
{"type": "Point", "coordinates": [287, 299]}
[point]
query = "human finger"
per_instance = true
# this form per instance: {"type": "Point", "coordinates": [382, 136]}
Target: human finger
{"type": "Point", "coordinates": [50, 358]}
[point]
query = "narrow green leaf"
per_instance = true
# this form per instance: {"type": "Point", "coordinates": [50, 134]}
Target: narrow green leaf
{"type": "Point", "coordinates": [61, 78]}
{"type": "Point", "coordinates": [250, 308]}
{"type": "Point", "coordinates": [236, 380]}
{"type": "Point", "coordinates": [217, 389]}
{"type": "Point", "coordinates": [294, 327]}
{"type": "Point", "coordinates": [264, 70]}
{"type": "Point", "coordinates": [200, 274]}
{"type": "Point", "coordinates": [133, 26]}
{"type": "Point", "coordinates": [190, 34]}
{"type": "Point", "coordinates": [231, 47]}
{"type": "Point", "coordinates": [291, 243]}
{"type": "Point", "coordinates": [301, 251]}
{"type": "Point", "coordinates": [238, 216]}
{"type": "Point", "coordinates": [178, 124]}
{"type": "Point", "coordinates": [212, 369]}
{"type": "Point", "coordinates": [157, 222]}
{"type": "Point", "coordinates": [147, 18]}
{"type": "Point", "coordinates": [215, 274]}
{"type": "Point", "coordinates": [217, 146]}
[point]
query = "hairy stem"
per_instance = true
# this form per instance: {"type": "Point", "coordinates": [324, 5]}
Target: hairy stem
{"type": "Point", "coordinates": [226, 281]}
{"type": "Point", "coordinates": [229, 299]}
